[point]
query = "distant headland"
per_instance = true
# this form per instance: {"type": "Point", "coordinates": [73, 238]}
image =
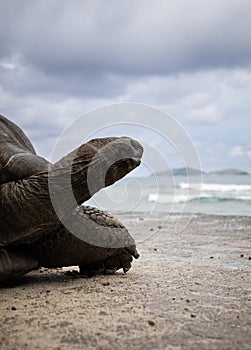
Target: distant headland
{"type": "Point", "coordinates": [193, 172]}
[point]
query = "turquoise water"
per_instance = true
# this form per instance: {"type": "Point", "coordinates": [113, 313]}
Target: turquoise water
{"type": "Point", "coordinates": [211, 194]}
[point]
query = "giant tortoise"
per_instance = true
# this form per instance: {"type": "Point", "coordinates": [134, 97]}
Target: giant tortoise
{"type": "Point", "coordinates": [33, 233]}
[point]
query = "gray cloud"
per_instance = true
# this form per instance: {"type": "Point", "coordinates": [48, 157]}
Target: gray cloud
{"type": "Point", "coordinates": [138, 38]}
{"type": "Point", "coordinates": [60, 58]}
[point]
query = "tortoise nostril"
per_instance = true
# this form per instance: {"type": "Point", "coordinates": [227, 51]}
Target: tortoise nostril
{"type": "Point", "coordinates": [134, 144]}
{"type": "Point", "coordinates": [137, 147]}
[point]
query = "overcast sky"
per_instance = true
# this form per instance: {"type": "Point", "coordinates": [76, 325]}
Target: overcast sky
{"type": "Point", "coordinates": [191, 59]}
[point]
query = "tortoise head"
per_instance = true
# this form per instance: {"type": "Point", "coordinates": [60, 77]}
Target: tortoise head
{"type": "Point", "coordinates": [110, 159]}
{"type": "Point", "coordinates": [94, 165]}
{"type": "Point", "coordinates": [113, 159]}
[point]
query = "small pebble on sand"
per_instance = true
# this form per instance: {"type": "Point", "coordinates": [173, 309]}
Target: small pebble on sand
{"type": "Point", "coordinates": [107, 283]}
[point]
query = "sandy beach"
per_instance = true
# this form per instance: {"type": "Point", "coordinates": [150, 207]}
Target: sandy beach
{"type": "Point", "coordinates": [188, 290]}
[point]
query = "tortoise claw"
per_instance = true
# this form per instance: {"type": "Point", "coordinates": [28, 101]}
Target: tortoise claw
{"type": "Point", "coordinates": [110, 265]}
{"type": "Point", "coordinates": [133, 251]}
{"type": "Point", "coordinates": [127, 267]}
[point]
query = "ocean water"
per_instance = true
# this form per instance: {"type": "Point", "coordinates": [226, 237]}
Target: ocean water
{"type": "Point", "coordinates": [209, 194]}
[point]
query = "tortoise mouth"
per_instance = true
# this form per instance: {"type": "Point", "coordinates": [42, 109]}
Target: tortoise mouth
{"type": "Point", "coordinates": [121, 168]}
{"type": "Point", "coordinates": [134, 163]}
{"type": "Point", "coordinates": [129, 163]}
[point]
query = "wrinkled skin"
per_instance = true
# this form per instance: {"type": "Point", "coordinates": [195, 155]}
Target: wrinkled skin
{"type": "Point", "coordinates": [37, 231]}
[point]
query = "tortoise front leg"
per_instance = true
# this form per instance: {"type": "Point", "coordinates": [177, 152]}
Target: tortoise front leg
{"type": "Point", "coordinates": [15, 262]}
{"type": "Point", "coordinates": [98, 243]}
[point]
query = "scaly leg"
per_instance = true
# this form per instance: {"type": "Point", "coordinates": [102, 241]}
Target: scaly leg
{"type": "Point", "coordinates": [98, 243]}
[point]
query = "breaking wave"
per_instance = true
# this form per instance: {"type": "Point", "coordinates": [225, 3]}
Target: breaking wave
{"type": "Point", "coordinates": [163, 198]}
{"type": "Point", "coordinates": [204, 192]}
{"type": "Point", "coordinates": [215, 187]}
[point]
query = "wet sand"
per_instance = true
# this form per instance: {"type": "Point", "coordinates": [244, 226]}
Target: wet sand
{"type": "Point", "coordinates": [188, 290]}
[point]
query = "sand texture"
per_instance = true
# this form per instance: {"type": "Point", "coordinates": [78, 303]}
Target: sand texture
{"type": "Point", "coordinates": [188, 290]}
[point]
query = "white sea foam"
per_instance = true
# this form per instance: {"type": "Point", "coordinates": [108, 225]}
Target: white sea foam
{"type": "Point", "coordinates": [206, 192]}
{"type": "Point", "coordinates": [215, 187]}
{"type": "Point", "coordinates": [244, 198]}
{"type": "Point", "coordinates": [167, 198]}
{"type": "Point", "coordinates": [206, 197]}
